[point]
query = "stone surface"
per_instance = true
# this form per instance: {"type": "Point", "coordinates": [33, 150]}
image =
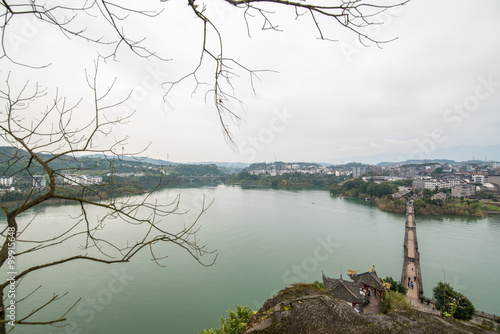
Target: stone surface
{"type": "Point", "coordinates": [307, 309]}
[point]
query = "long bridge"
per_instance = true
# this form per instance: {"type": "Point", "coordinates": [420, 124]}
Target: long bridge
{"type": "Point", "coordinates": [411, 265]}
{"type": "Point", "coordinates": [206, 177]}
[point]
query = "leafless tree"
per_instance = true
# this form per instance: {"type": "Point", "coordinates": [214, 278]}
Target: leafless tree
{"type": "Point", "coordinates": [52, 145]}
{"type": "Point", "coordinates": [115, 19]}
{"type": "Point", "coordinates": [53, 136]}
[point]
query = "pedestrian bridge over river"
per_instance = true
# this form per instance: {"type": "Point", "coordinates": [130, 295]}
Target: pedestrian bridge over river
{"type": "Point", "coordinates": [411, 273]}
{"type": "Point", "coordinates": [203, 178]}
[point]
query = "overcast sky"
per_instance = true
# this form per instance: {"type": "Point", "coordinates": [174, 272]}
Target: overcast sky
{"type": "Point", "coordinates": [437, 86]}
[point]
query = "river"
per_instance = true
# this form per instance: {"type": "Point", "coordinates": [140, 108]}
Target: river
{"type": "Point", "coordinates": [266, 239]}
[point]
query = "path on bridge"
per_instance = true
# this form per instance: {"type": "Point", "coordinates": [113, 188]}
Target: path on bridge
{"type": "Point", "coordinates": [411, 264]}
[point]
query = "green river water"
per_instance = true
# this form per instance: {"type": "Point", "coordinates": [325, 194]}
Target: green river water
{"type": "Point", "coordinates": [266, 239]}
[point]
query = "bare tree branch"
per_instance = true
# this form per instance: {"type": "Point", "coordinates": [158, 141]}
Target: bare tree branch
{"type": "Point", "coordinates": [39, 144]}
{"type": "Point", "coordinates": [39, 147]}
{"type": "Point", "coordinates": [117, 20]}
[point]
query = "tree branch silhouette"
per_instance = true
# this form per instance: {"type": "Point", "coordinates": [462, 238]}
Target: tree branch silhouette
{"type": "Point", "coordinates": [117, 24]}
{"type": "Point", "coordinates": [52, 147]}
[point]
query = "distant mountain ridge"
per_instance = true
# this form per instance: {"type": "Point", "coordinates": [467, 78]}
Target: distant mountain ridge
{"type": "Point", "coordinates": [416, 162]}
{"type": "Point", "coordinates": [459, 153]}
{"type": "Point", "coordinates": [441, 156]}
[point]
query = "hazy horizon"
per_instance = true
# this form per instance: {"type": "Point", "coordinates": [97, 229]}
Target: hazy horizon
{"type": "Point", "coordinates": [435, 87]}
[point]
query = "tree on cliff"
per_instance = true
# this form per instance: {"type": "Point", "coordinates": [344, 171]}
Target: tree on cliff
{"type": "Point", "coordinates": [452, 303]}
{"type": "Point", "coordinates": [58, 133]}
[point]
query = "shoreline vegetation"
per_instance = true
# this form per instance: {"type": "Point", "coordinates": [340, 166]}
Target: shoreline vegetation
{"type": "Point", "coordinates": [118, 187]}
{"type": "Point", "coordinates": [119, 178]}
{"type": "Point", "coordinates": [283, 181]}
{"type": "Point", "coordinates": [381, 194]}
{"type": "Point", "coordinates": [448, 207]}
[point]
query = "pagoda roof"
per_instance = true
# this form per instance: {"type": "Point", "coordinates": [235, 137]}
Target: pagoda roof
{"type": "Point", "coordinates": [345, 290]}
{"type": "Point", "coordinates": [370, 279]}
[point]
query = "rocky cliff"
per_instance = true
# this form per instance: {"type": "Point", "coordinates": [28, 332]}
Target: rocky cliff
{"type": "Point", "coordinates": [307, 309]}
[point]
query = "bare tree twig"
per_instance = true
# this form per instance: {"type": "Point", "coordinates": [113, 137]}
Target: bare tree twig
{"type": "Point", "coordinates": [39, 146]}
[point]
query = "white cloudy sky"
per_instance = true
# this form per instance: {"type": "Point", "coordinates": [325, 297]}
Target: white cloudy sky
{"type": "Point", "coordinates": [436, 86]}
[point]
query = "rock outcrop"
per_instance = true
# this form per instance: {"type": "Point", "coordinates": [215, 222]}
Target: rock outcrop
{"type": "Point", "coordinates": [308, 309]}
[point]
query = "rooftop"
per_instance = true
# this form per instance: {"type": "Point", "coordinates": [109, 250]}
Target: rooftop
{"type": "Point", "coordinates": [345, 290]}
{"type": "Point", "coordinates": [368, 278]}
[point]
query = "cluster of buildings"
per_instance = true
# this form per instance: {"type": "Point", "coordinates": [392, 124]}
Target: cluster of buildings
{"type": "Point", "coordinates": [462, 179]}
{"type": "Point", "coordinates": [458, 187]}
{"type": "Point", "coordinates": [427, 182]}
{"type": "Point", "coordinates": [459, 184]}
{"type": "Point", "coordinates": [341, 170]}
{"type": "Point", "coordinates": [476, 172]}
{"type": "Point", "coordinates": [74, 179]}
{"type": "Point", "coordinates": [6, 181]}
{"type": "Point", "coordinates": [6, 184]}
{"type": "Point", "coordinates": [455, 179]}
{"type": "Point", "coordinates": [280, 169]}
{"type": "Point", "coordinates": [40, 181]}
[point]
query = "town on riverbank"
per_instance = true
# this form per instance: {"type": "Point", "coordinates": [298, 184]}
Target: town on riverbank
{"type": "Point", "coordinates": [439, 187]}
{"type": "Point", "coordinates": [87, 174]}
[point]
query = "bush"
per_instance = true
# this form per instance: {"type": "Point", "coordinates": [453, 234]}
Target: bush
{"type": "Point", "coordinates": [394, 301]}
{"type": "Point", "coordinates": [234, 324]}
{"type": "Point", "coordinates": [452, 303]}
{"type": "Point", "coordinates": [396, 285]}
{"type": "Point", "coordinates": [320, 284]}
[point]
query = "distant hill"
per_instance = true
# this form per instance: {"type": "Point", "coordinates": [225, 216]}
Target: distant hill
{"type": "Point", "coordinates": [97, 164]}
{"type": "Point", "coordinates": [417, 162]}
{"type": "Point", "coordinates": [491, 153]}
{"type": "Point", "coordinates": [459, 153]}
{"type": "Point", "coordinates": [9, 152]}
{"type": "Point", "coordinates": [152, 161]}
{"type": "Point", "coordinates": [241, 165]}
{"type": "Point", "coordinates": [226, 167]}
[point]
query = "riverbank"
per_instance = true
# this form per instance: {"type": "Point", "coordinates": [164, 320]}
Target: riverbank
{"type": "Point", "coordinates": [121, 188]}
{"type": "Point", "coordinates": [280, 185]}
{"type": "Point", "coordinates": [449, 207]}
{"type": "Point", "coordinates": [283, 181]}
{"type": "Point", "coordinates": [424, 204]}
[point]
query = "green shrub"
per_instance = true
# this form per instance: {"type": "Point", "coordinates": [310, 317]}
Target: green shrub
{"type": "Point", "coordinates": [452, 303]}
{"type": "Point", "coordinates": [396, 285]}
{"type": "Point", "coordinates": [234, 324]}
{"type": "Point", "coordinates": [394, 301]}
{"type": "Point", "coordinates": [320, 284]}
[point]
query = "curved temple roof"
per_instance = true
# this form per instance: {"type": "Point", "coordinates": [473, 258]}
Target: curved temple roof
{"type": "Point", "coordinates": [370, 279]}
{"type": "Point", "coordinates": [345, 290]}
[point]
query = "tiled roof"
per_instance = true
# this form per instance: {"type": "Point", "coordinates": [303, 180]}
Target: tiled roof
{"type": "Point", "coordinates": [370, 279]}
{"type": "Point", "coordinates": [345, 290]}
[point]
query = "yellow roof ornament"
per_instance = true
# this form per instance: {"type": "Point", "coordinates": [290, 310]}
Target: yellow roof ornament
{"type": "Point", "coordinates": [352, 272]}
